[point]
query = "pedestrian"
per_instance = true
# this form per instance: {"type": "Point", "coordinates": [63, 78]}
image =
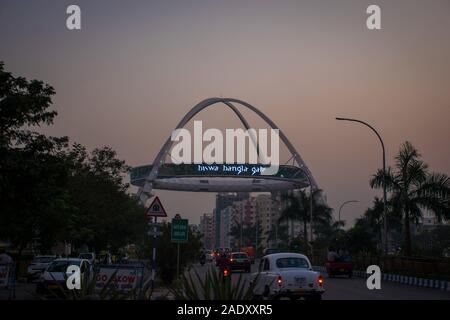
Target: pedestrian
{"type": "Point", "coordinates": [332, 255]}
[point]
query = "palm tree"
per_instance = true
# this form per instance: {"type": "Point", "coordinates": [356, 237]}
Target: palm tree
{"type": "Point", "coordinates": [329, 234]}
{"type": "Point", "coordinates": [298, 209]}
{"type": "Point", "coordinates": [246, 234]}
{"type": "Point", "coordinates": [413, 188]}
{"type": "Point", "coordinates": [278, 234]}
{"type": "Point", "coordinates": [374, 217]}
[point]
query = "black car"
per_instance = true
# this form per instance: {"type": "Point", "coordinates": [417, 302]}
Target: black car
{"type": "Point", "coordinates": [240, 261]}
{"type": "Point", "coordinates": [271, 251]}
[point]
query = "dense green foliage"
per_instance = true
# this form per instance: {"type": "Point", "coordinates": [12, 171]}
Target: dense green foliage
{"type": "Point", "coordinates": [53, 191]}
{"type": "Point", "coordinates": [413, 189]}
{"type": "Point", "coordinates": [166, 257]}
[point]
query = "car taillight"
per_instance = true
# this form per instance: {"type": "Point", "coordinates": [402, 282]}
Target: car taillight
{"type": "Point", "coordinates": [280, 280]}
{"type": "Point", "coordinates": [320, 280]}
{"type": "Point", "coordinates": [226, 272]}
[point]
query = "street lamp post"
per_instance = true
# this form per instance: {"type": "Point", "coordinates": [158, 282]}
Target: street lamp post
{"type": "Point", "coordinates": [342, 205]}
{"type": "Point", "coordinates": [384, 176]}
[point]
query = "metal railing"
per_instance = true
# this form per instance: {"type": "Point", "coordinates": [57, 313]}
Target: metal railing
{"type": "Point", "coordinates": [8, 279]}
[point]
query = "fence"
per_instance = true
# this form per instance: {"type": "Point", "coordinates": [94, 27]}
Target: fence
{"type": "Point", "coordinates": [432, 268]}
{"type": "Point", "coordinates": [8, 279]}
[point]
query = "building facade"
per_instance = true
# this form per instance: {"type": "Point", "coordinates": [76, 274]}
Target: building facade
{"type": "Point", "coordinates": [207, 230]}
{"type": "Point", "coordinates": [224, 200]}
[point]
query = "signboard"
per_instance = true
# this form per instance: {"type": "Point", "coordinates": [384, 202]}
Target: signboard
{"type": "Point", "coordinates": [125, 278]}
{"type": "Point", "coordinates": [152, 233]}
{"type": "Point", "coordinates": [187, 169]}
{"type": "Point", "coordinates": [4, 275]}
{"type": "Point", "coordinates": [156, 209]}
{"type": "Point", "coordinates": [153, 224]}
{"type": "Point", "coordinates": [180, 228]}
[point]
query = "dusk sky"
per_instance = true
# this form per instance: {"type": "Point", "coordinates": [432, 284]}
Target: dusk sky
{"type": "Point", "coordinates": [137, 67]}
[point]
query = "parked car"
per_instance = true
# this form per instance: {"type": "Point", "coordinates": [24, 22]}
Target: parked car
{"type": "Point", "coordinates": [288, 275]}
{"type": "Point", "coordinates": [240, 261]}
{"type": "Point", "coordinates": [53, 279]}
{"type": "Point", "coordinates": [37, 266]}
{"type": "Point", "coordinates": [89, 256]}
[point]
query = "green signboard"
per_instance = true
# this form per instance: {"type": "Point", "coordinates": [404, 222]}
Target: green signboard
{"type": "Point", "coordinates": [180, 229]}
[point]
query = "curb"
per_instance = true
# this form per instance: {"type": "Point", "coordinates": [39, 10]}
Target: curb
{"type": "Point", "coordinates": [406, 280]}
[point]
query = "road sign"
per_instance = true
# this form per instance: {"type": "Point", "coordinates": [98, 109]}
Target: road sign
{"type": "Point", "coordinates": [179, 230]}
{"type": "Point", "coordinates": [155, 225]}
{"type": "Point", "coordinates": [153, 233]}
{"type": "Point", "coordinates": [156, 209]}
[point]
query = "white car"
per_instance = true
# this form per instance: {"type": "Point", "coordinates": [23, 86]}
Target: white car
{"type": "Point", "coordinates": [288, 275]}
{"type": "Point", "coordinates": [90, 256]}
{"type": "Point", "coordinates": [53, 279]}
{"type": "Point", "coordinates": [37, 266]}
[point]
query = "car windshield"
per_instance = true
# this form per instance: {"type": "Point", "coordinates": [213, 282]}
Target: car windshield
{"type": "Point", "coordinates": [292, 263]}
{"type": "Point", "coordinates": [239, 256]}
{"type": "Point", "coordinates": [61, 266]}
{"type": "Point", "coordinates": [43, 260]}
{"type": "Point", "coordinates": [86, 256]}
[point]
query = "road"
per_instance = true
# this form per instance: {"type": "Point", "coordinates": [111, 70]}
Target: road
{"type": "Point", "coordinates": [356, 289]}
{"type": "Point", "coordinates": [336, 289]}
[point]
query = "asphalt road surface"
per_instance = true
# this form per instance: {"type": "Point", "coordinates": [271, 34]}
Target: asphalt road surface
{"type": "Point", "coordinates": [356, 289]}
{"type": "Point", "coordinates": [336, 289]}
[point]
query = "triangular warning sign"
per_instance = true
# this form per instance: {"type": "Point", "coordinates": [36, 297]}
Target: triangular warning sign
{"type": "Point", "coordinates": [156, 209]}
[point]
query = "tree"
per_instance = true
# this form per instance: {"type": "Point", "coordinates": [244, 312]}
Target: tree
{"type": "Point", "coordinates": [32, 173]}
{"type": "Point", "coordinates": [100, 207]}
{"type": "Point", "coordinates": [51, 192]}
{"type": "Point", "coordinates": [298, 209]}
{"type": "Point", "coordinates": [413, 188]}
{"type": "Point", "coordinates": [23, 104]}
{"type": "Point", "coordinates": [374, 216]}
{"type": "Point", "coordinates": [249, 233]}
{"type": "Point", "coordinates": [330, 235]}
{"type": "Point", "coordinates": [361, 238]}
{"type": "Point", "coordinates": [434, 241]}
{"type": "Point", "coordinates": [279, 235]}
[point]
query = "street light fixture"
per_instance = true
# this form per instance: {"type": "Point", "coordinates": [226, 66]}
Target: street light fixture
{"type": "Point", "coordinates": [384, 176]}
{"type": "Point", "coordinates": [342, 205]}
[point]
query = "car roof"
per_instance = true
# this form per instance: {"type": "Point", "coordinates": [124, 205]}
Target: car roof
{"type": "Point", "coordinates": [285, 255]}
{"type": "Point", "coordinates": [69, 259]}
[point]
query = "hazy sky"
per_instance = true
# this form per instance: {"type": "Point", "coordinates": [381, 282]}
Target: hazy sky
{"type": "Point", "coordinates": [136, 67]}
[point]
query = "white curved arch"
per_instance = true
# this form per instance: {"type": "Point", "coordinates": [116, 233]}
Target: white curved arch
{"type": "Point", "coordinates": [145, 192]}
